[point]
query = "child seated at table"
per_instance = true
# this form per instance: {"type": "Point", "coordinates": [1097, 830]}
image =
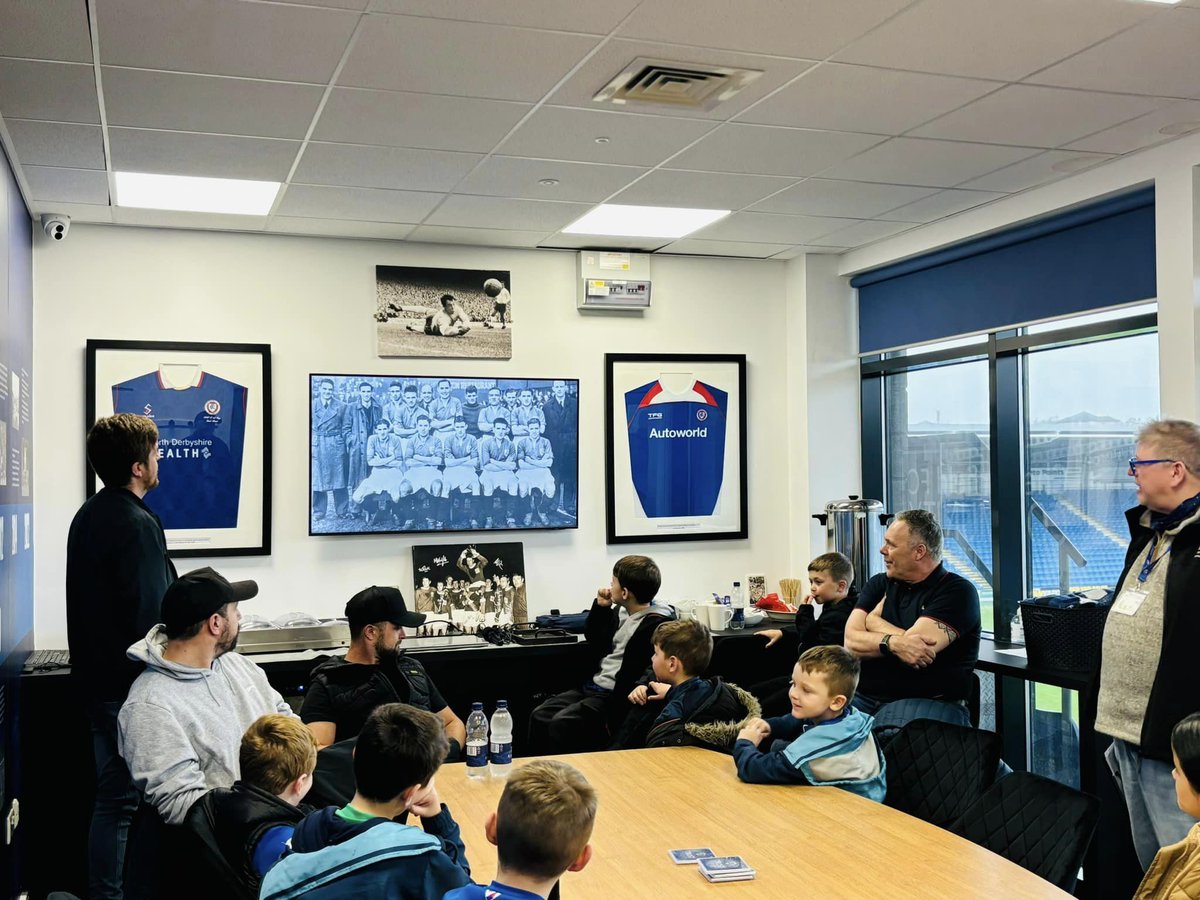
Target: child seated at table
{"type": "Point", "coordinates": [828, 742]}
{"type": "Point", "coordinates": [1175, 872]}
{"type": "Point", "coordinates": [678, 707]}
{"type": "Point", "coordinates": [541, 830]}
{"type": "Point", "coordinates": [362, 849]}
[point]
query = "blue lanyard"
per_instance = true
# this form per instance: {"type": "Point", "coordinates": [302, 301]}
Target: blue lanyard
{"type": "Point", "coordinates": [1151, 561]}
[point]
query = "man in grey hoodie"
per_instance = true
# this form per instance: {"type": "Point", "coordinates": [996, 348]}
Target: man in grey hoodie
{"type": "Point", "coordinates": [182, 723]}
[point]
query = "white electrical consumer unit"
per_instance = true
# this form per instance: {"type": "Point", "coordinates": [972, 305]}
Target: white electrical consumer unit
{"type": "Point", "coordinates": [611, 281]}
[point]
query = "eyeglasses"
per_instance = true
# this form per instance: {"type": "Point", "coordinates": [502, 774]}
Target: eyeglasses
{"type": "Point", "coordinates": [1134, 462]}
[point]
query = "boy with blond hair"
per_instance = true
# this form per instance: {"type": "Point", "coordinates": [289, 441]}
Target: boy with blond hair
{"type": "Point", "coordinates": [679, 706]}
{"type": "Point", "coordinates": [829, 742]}
{"type": "Point", "coordinates": [541, 829]}
{"type": "Point", "coordinates": [245, 828]}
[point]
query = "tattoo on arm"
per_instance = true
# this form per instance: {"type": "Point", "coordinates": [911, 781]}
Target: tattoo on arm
{"type": "Point", "coordinates": [950, 633]}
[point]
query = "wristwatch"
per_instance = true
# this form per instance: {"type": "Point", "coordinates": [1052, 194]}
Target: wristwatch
{"type": "Point", "coordinates": [885, 647]}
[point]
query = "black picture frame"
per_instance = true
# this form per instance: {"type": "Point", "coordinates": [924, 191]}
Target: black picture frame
{"type": "Point", "coordinates": [393, 504]}
{"type": "Point", "coordinates": [639, 474]}
{"type": "Point", "coordinates": [225, 369]}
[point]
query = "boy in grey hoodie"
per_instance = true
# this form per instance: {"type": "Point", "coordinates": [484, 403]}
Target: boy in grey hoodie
{"type": "Point", "coordinates": [181, 726]}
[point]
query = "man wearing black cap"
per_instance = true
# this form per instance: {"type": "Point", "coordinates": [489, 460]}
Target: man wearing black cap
{"type": "Point", "coordinates": [344, 691]}
{"type": "Point", "coordinates": [181, 726]}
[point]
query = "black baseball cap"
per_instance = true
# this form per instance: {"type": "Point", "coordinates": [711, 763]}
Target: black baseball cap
{"type": "Point", "coordinates": [381, 604]}
{"type": "Point", "coordinates": [196, 595]}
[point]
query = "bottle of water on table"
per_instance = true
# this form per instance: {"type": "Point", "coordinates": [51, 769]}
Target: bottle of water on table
{"type": "Point", "coordinates": [738, 621]}
{"type": "Point", "coordinates": [477, 742]}
{"type": "Point", "coordinates": [500, 749]}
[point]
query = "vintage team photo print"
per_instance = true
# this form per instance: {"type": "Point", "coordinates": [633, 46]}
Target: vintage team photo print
{"type": "Point", "coordinates": [675, 447]}
{"type": "Point", "coordinates": [397, 453]}
{"type": "Point", "coordinates": [443, 312]}
{"type": "Point", "coordinates": [212, 406]}
{"type": "Point", "coordinates": [470, 585]}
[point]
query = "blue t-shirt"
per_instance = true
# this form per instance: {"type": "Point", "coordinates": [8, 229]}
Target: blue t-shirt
{"type": "Point", "coordinates": [677, 448]}
{"type": "Point", "coordinates": [201, 438]}
{"type": "Point", "coordinates": [494, 891]}
{"type": "Point", "coordinates": [270, 847]}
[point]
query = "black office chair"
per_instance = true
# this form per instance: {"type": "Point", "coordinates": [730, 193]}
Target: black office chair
{"type": "Point", "coordinates": [1039, 824]}
{"type": "Point", "coordinates": [936, 770]}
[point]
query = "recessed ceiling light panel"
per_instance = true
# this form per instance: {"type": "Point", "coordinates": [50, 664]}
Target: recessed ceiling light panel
{"type": "Point", "coordinates": [186, 193]}
{"type": "Point", "coordinates": [616, 220]}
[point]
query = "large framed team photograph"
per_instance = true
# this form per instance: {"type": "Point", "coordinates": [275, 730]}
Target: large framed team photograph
{"type": "Point", "coordinates": [675, 447]}
{"type": "Point", "coordinates": [404, 454]}
{"type": "Point", "coordinates": [423, 311]}
{"type": "Point", "coordinates": [212, 406]}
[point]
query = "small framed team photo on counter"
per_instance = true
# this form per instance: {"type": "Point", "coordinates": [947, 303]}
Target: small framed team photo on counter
{"type": "Point", "coordinates": [675, 447]}
{"type": "Point", "coordinates": [212, 406]}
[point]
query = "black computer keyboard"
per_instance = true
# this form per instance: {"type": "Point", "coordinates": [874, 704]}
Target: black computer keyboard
{"type": "Point", "coordinates": [47, 660]}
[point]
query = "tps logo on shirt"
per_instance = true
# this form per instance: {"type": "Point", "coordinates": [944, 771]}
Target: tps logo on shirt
{"type": "Point", "coordinates": [212, 407]}
{"type": "Point", "coordinates": [701, 415]}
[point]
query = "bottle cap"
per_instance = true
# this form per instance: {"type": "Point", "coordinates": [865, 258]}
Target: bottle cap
{"type": "Point", "coordinates": [477, 705]}
{"type": "Point", "coordinates": [501, 704]}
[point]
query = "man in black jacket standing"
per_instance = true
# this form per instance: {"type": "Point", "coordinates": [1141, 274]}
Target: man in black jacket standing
{"type": "Point", "coordinates": [117, 573]}
{"type": "Point", "coordinates": [586, 719]}
{"type": "Point", "coordinates": [1148, 673]}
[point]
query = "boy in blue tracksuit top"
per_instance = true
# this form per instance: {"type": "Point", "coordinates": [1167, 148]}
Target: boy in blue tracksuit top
{"type": "Point", "coordinates": [828, 741]}
{"type": "Point", "coordinates": [358, 850]}
{"type": "Point", "coordinates": [541, 829]}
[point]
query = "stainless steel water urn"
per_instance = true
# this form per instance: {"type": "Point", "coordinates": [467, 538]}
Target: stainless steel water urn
{"type": "Point", "coordinates": [855, 527]}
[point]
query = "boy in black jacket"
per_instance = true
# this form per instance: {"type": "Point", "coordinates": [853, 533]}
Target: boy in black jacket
{"type": "Point", "coordinates": [585, 719]}
{"type": "Point", "coordinates": [831, 586]}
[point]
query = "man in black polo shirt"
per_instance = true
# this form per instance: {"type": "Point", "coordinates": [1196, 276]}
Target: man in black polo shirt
{"type": "Point", "coordinates": [344, 691]}
{"type": "Point", "coordinates": [915, 627]}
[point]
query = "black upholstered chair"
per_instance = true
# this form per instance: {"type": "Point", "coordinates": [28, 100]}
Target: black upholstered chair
{"type": "Point", "coordinates": [1039, 824]}
{"type": "Point", "coordinates": [936, 770]}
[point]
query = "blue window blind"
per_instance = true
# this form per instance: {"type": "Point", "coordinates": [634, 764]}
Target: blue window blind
{"type": "Point", "coordinates": [1101, 255]}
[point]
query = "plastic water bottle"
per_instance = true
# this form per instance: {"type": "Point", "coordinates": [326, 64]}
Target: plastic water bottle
{"type": "Point", "coordinates": [738, 622]}
{"type": "Point", "coordinates": [1016, 633]}
{"type": "Point", "coordinates": [477, 742]}
{"type": "Point", "coordinates": [500, 750]}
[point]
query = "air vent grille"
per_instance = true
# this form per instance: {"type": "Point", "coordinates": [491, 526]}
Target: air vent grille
{"type": "Point", "coordinates": [691, 85]}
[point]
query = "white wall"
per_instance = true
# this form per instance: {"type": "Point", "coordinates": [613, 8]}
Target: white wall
{"type": "Point", "coordinates": [312, 299]}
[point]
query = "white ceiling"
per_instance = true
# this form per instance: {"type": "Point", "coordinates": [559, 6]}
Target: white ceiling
{"type": "Point", "coordinates": [436, 120]}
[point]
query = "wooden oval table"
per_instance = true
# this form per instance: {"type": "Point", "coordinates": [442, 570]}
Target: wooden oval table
{"type": "Point", "coordinates": [805, 842]}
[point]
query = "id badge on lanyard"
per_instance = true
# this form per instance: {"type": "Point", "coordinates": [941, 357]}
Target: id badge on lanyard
{"type": "Point", "coordinates": [1130, 600]}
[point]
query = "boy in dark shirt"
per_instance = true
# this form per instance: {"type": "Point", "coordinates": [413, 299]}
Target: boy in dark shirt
{"type": "Point", "coordinates": [831, 586]}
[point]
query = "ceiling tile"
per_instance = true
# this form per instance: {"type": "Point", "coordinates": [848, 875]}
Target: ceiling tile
{"type": "Point", "coordinates": [613, 57]}
{"type": "Point", "coordinates": [847, 199]}
{"type": "Point", "coordinates": [703, 190]}
{"type": "Point", "coordinates": [438, 56]}
{"type": "Point", "coordinates": [62, 92]}
{"type": "Point", "coordinates": [804, 250]}
{"type": "Point", "coordinates": [47, 29]}
{"type": "Point", "coordinates": [1037, 170]}
{"type": "Point", "coordinates": [941, 204]}
{"type": "Point", "coordinates": [167, 218]}
{"type": "Point", "coordinates": [560, 15]}
{"type": "Point", "coordinates": [79, 212]}
{"type": "Point", "coordinates": [207, 155]}
{"type": "Point", "coordinates": [383, 167]}
{"type": "Point", "coordinates": [1036, 116]}
{"type": "Point", "coordinates": [225, 37]}
{"type": "Point", "coordinates": [559, 133]}
{"type": "Point", "coordinates": [363, 204]}
{"type": "Point", "coordinates": [595, 242]}
{"type": "Point", "coordinates": [56, 144]}
{"type": "Point", "coordinates": [762, 150]}
{"type": "Point", "coordinates": [176, 102]}
{"type": "Point", "coordinates": [693, 247]}
{"type": "Point", "coordinates": [1164, 60]}
{"type": "Point", "coordinates": [1145, 130]}
{"type": "Point", "coordinates": [335, 4]}
{"type": "Point", "coordinates": [433, 122]}
{"type": "Point", "coordinates": [518, 215]}
{"type": "Point", "coordinates": [506, 176]}
{"type": "Point", "coordinates": [863, 233]}
{"type": "Point", "coordinates": [766, 228]}
{"type": "Point", "coordinates": [922, 162]}
{"type": "Point", "coordinates": [480, 237]}
{"type": "Point", "coordinates": [812, 29]}
{"type": "Point", "coordinates": [67, 185]}
{"type": "Point", "coordinates": [859, 98]}
{"type": "Point", "coordinates": [339, 228]}
{"type": "Point", "coordinates": [986, 39]}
